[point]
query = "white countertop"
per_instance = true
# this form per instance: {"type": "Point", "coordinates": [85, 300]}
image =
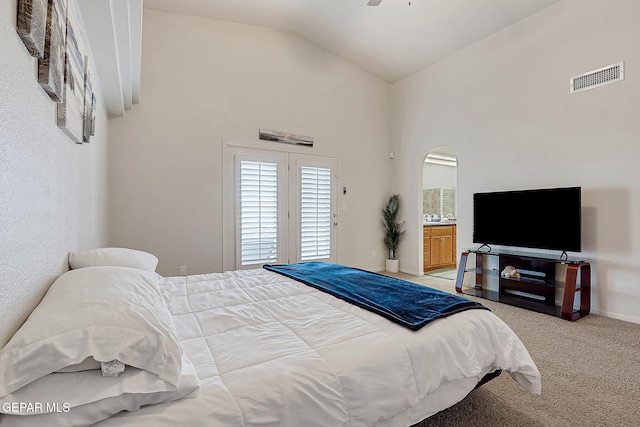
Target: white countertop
{"type": "Point", "coordinates": [429, 224]}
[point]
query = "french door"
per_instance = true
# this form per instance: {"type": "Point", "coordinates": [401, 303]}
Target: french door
{"type": "Point", "coordinates": [285, 207]}
{"type": "Point", "coordinates": [312, 208]}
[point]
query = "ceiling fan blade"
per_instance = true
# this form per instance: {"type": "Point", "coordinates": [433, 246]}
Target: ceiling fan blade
{"type": "Point", "coordinates": [373, 2]}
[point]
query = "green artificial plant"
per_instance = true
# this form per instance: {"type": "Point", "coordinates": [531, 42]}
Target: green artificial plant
{"type": "Point", "coordinates": [392, 228]}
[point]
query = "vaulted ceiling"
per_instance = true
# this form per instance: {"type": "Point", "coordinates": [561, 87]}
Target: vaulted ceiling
{"type": "Point", "coordinates": [392, 40]}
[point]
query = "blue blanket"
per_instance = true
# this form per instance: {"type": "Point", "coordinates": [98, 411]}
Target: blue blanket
{"type": "Point", "coordinates": [408, 304]}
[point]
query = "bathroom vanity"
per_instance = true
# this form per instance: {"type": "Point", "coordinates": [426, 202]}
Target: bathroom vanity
{"type": "Point", "coordinates": [439, 245]}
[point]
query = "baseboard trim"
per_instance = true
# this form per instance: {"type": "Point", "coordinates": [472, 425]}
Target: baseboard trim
{"type": "Point", "coordinates": [617, 316]}
{"type": "Point", "coordinates": [402, 270]}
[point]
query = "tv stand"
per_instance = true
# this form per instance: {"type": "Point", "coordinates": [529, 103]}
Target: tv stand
{"type": "Point", "coordinates": [535, 288]}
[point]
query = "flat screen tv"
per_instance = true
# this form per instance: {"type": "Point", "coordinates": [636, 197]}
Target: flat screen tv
{"type": "Point", "coordinates": [544, 219]}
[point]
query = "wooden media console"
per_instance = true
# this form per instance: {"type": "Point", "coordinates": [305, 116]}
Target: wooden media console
{"type": "Point", "coordinates": [535, 288]}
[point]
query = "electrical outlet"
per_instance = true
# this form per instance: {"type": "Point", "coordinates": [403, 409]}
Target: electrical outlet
{"type": "Point", "coordinates": [183, 270]}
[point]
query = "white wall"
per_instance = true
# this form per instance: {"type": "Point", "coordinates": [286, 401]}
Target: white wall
{"type": "Point", "coordinates": [205, 82]}
{"type": "Point", "coordinates": [503, 106]}
{"type": "Point", "coordinates": [52, 191]}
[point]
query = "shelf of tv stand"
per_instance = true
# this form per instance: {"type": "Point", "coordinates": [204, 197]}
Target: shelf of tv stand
{"type": "Point", "coordinates": [533, 292]}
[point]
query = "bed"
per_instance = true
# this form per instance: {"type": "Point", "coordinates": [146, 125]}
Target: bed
{"type": "Point", "coordinates": [240, 348]}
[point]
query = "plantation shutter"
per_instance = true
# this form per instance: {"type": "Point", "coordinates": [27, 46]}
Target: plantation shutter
{"type": "Point", "coordinates": [315, 213]}
{"type": "Point", "coordinates": [258, 212]}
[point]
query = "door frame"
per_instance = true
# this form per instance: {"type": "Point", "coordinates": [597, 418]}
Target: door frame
{"type": "Point", "coordinates": [229, 202]}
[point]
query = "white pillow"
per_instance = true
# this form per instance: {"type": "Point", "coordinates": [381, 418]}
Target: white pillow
{"type": "Point", "coordinates": [84, 398]}
{"type": "Point", "coordinates": [118, 257]}
{"type": "Point", "coordinates": [109, 313]}
{"type": "Point", "coordinates": [88, 364]}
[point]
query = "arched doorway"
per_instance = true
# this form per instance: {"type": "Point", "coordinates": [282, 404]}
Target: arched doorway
{"type": "Point", "coordinates": [439, 212]}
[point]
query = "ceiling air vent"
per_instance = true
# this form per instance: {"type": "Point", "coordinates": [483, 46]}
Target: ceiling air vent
{"type": "Point", "coordinates": [600, 77]}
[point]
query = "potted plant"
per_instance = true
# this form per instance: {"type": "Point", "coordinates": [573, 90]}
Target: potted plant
{"type": "Point", "coordinates": [392, 231]}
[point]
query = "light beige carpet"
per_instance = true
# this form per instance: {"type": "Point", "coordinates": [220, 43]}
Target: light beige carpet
{"type": "Point", "coordinates": [590, 373]}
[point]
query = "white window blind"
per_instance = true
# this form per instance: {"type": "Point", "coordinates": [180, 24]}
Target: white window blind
{"type": "Point", "coordinates": [258, 212]}
{"type": "Point", "coordinates": [315, 213]}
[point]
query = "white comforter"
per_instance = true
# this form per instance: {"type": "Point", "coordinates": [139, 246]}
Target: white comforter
{"type": "Point", "coordinates": [270, 351]}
